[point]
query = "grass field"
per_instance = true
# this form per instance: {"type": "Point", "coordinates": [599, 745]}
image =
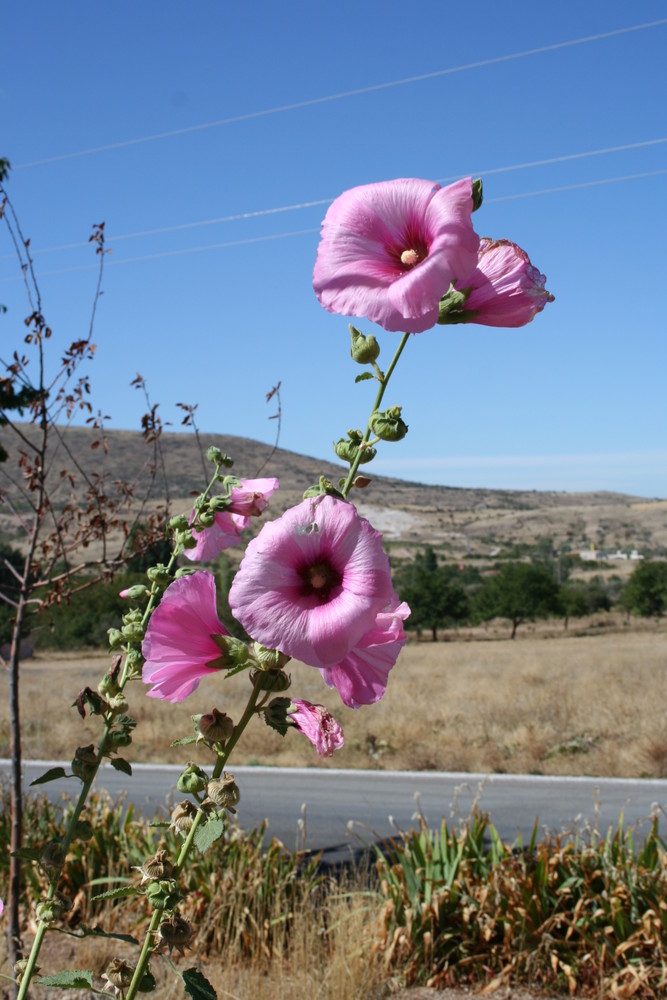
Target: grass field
{"type": "Point", "coordinates": [550, 702]}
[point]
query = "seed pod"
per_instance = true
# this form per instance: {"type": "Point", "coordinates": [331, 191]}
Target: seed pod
{"type": "Point", "coordinates": [224, 791]}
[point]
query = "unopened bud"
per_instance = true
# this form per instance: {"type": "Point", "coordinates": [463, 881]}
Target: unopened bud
{"type": "Point", "coordinates": [179, 523]}
{"type": "Point", "coordinates": [133, 632]}
{"type": "Point", "coordinates": [364, 349]}
{"type": "Point", "coordinates": [218, 458]}
{"type": "Point", "coordinates": [324, 488]}
{"type": "Point", "coordinates": [271, 680]}
{"type": "Point", "coordinates": [388, 424]}
{"type": "Point", "coordinates": [215, 726]}
{"type": "Point", "coordinates": [224, 791]}
{"type": "Point", "coordinates": [163, 895]}
{"type": "Point", "coordinates": [158, 574]}
{"type": "Point", "coordinates": [182, 817]}
{"type": "Point", "coordinates": [269, 659]}
{"type": "Point", "coordinates": [206, 518]}
{"type": "Point", "coordinates": [21, 966]}
{"type": "Point", "coordinates": [135, 592]}
{"type": "Point", "coordinates": [115, 638]}
{"type": "Point", "coordinates": [49, 910]}
{"type": "Point", "coordinates": [133, 663]}
{"type": "Point", "coordinates": [234, 652]}
{"type": "Point", "coordinates": [348, 448]}
{"type": "Point", "coordinates": [192, 780]}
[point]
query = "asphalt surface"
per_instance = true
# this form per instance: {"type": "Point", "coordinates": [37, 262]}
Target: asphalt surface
{"type": "Point", "coordinates": [341, 811]}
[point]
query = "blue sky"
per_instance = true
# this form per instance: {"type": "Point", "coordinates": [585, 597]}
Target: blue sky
{"type": "Point", "coordinates": [216, 312]}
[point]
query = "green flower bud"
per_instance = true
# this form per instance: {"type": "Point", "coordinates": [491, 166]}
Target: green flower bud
{"type": "Point", "coordinates": [134, 592]}
{"type": "Point", "coordinates": [215, 726]}
{"type": "Point", "coordinates": [158, 574]}
{"type": "Point", "coordinates": [205, 518]}
{"type": "Point", "coordinates": [179, 523]}
{"type": "Point", "coordinates": [271, 680]}
{"type": "Point", "coordinates": [269, 659]}
{"type": "Point", "coordinates": [365, 349]}
{"type": "Point", "coordinates": [349, 448]}
{"type": "Point", "coordinates": [133, 632]}
{"type": "Point", "coordinates": [133, 663]}
{"type": "Point", "coordinates": [324, 487]}
{"type": "Point", "coordinates": [388, 424]}
{"type": "Point", "coordinates": [115, 638]}
{"type": "Point", "coordinates": [219, 503]}
{"type": "Point", "coordinates": [214, 455]}
{"type": "Point", "coordinates": [224, 791]}
{"type": "Point", "coordinates": [84, 762]}
{"type": "Point", "coordinates": [49, 910]}
{"type": "Point", "coordinates": [20, 967]}
{"type": "Point", "coordinates": [163, 895]}
{"type": "Point", "coordinates": [132, 616]}
{"type": "Point", "coordinates": [234, 652]}
{"type": "Point", "coordinates": [192, 780]}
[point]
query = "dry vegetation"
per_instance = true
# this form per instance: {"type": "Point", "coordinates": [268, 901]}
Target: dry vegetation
{"type": "Point", "coordinates": [592, 701]}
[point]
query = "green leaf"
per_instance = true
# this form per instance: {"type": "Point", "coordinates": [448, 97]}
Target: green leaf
{"type": "Point", "coordinates": [186, 741]}
{"type": "Point", "coordinates": [123, 890]}
{"type": "Point", "coordinates": [197, 985]}
{"type": "Point", "coordinates": [121, 764]}
{"type": "Point", "coordinates": [98, 932]}
{"type": "Point", "coordinates": [51, 775]}
{"type": "Point", "coordinates": [207, 834]}
{"type": "Point", "coordinates": [364, 377]}
{"type": "Point", "coordinates": [72, 979]}
{"type": "Point", "coordinates": [28, 853]}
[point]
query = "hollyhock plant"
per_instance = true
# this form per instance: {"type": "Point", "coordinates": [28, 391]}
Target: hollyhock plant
{"type": "Point", "coordinates": [319, 725]}
{"type": "Point", "coordinates": [389, 251]}
{"type": "Point", "coordinates": [248, 500]}
{"type": "Point", "coordinates": [179, 646]}
{"type": "Point", "coordinates": [361, 677]}
{"type": "Point", "coordinates": [313, 581]}
{"type": "Point", "coordinates": [506, 290]}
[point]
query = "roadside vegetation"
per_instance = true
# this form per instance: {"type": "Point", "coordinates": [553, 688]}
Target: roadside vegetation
{"type": "Point", "coordinates": [447, 907]}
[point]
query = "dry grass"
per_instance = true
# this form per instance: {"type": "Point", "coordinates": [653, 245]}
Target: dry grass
{"type": "Point", "coordinates": [549, 702]}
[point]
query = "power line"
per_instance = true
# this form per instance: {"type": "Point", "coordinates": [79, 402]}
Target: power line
{"type": "Point", "coordinates": [314, 101]}
{"type": "Point", "coordinates": [310, 232]}
{"type": "Point", "coordinates": [241, 216]}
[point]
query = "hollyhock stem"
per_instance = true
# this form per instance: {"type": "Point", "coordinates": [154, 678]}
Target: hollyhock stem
{"type": "Point", "coordinates": [376, 406]}
{"type": "Point", "coordinates": [150, 940]}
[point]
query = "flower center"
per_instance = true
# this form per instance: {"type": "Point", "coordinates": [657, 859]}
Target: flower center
{"type": "Point", "coordinates": [410, 258]}
{"type": "Point", "coordinates": [320, 579]}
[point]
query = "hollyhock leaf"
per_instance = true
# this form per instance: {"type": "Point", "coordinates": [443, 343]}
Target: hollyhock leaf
{"type": "Point", "coordinates": [197, 985]}
{"type": "Point", "coordinates": [208, 833]}
{"type": "Point", "coordinates": [51, 775]}
{"type": "Point", "coordinates": [389, 251]}
{"type": "Point", "coordinates": [120, 764]}
{"type": "Point", "coordinates": [69, 979]}
{"type": "Point", "coordinates": [120, 893]}
{"type": "Point", "coordinates": [364, 377]}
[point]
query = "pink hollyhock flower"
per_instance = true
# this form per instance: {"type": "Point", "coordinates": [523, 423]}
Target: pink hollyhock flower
{"type": "Point", "coordinates": [361, 677]}
{"type": "Point", "coordinates": [247, 500]}
{"type": "Point", "coordinates": [506, 289]}
{"type": "Point", "coordinates": [312, 581]}
{"type": "Point", "coordinates": [389, 251]}
{"type": "Point", "coordinates": [179, 646]}
{"type": "Point", "coordinates": [318, 725]}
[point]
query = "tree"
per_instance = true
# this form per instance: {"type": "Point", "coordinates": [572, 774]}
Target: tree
{"type": "Point", "coordinates": [520, 592]}
{"type": "Point", "coordinates": [645, 593]}
{"type": "Point", "coordinates": [435, 595]}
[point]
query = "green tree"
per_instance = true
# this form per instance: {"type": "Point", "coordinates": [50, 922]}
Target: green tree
{"type": "Point", "coordinates": [435, 594]}
{"type": "Point", "coordinates": [520, 592]}
{"type": "Point", "coordinates": [645, 593]}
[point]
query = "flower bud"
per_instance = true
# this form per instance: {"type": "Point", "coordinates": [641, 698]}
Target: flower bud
{"type": "Point", "coordinates": [215, 726]}
{"type": "Point", "coordinates": [133, 632]}
{"type": "Point", "coordinates": [176, 933]}
{"type": "Point", "coordinates": [224, 791]}
{"type": "Point", "coordinates": [324, 488]}
{"type": "Point", "coordinates": [115, 638]}
{"type": "Point", "coordinates": [388, 424]}
{"type": "Point", "coordinates": [133, 663]}
{"type": "Point", "coordinates": [234, 652]}
{"type": "Point", "coordinates": [155, 868]}
{"type": "Point", "coordinates": [192, 780]}
{"type": "Point", "coordinates": [84, 762]}
{"type": "Point", "coordinates": [163, 895]}
{"type": "Point", "coordinates": [49, 910]}
{"type": "Point", "coordinates": [178, 523]}
{"type": "Point", "coordinates": [135, 592]}
{"type": "Point", "coordinates": [158, 574]}
{"type": "Point", "coordinates": [119, 973]}
{"type": "Point", "coordinates": [452, 305]}
{"type": "Point", "coordinates": [20, 967]}
{"type": "Point", "coordinates": [269, 659]}
{"type": "Point", "coordinates": [364, 349]}
{"type": "Point", "coordinates": [271, 680]}
{"type": "Point", "coordinates": [216, 456]}
{"type": "Point", "coordinates": [147, 983]}
{"type": "Point", "coordinates": [52, 858]}
{"type": "Point", "coordinates": [182, 817]}
{"type": "Point", "coordinates": [205, 519]}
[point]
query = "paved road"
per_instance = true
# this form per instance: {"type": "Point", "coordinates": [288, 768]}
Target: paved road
{"type": "Point", "coordinates": [344, 809]}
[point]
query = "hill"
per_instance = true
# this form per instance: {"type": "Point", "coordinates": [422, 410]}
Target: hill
{"type": "Point", "coordinates": [458, 522]}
